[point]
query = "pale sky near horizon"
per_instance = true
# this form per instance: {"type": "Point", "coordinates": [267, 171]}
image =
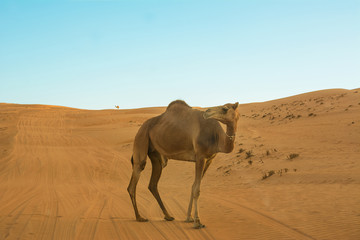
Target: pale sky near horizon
{"type": "Point", "coordinates": [95, 54]}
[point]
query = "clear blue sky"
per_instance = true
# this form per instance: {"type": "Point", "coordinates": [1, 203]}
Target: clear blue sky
{"type": "Point", "coordinates": [95, 54]}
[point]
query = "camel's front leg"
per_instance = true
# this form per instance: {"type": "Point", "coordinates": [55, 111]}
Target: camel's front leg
{"type": "Point", "coordinates": [188, 216]}
{"type": "Point", "coordinates": [199, 168]}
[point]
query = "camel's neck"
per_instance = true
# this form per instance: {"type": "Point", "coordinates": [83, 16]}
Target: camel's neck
{"type": "Point", "coordinates": [227, 141]}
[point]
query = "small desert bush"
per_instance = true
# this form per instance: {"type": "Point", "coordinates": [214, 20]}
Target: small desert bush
{"type": "Point", "coordinates": [268, 174]}
{"type": "Point", "coordinates": [241, 150]}
{"type": "Point", "coordinates": [292, 156]}
{"type": "Point", "coordinates": [281, 171]}
{"type": "Point", "coordinates": [249, 154]}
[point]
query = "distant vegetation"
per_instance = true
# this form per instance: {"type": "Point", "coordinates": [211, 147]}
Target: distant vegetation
{"type": "Point", "coordinates": [249, 154]}
{"type": "Point", "coordinates": [292, 156]}
{"type": "Point", "coordinates": [268, 174]}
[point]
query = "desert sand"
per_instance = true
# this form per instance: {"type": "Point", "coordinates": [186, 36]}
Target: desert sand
{"type": "Point", "coordinates": [294, 174]}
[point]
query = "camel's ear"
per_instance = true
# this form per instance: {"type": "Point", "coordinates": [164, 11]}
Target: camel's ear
{"type": "Point", "coordinates": [235, 106]}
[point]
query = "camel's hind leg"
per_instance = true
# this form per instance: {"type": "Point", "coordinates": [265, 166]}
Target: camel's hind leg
{"type": "Point", "coordinates": [137, 169]}
{"type": "Point", "coordinates": [156, 161]}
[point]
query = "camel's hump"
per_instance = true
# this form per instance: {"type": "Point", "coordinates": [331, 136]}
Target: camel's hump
{"type": "Point", "coordinates": [178, 103]}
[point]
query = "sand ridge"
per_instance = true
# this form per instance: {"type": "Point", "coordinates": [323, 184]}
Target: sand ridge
{"type": "Point", "coordinates": [64, 174]}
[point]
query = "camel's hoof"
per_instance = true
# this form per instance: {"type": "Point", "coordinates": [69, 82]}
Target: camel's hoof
{"type": "Point", "coordinates": [141, 219]}
{"type": "Point", "coordinates": [198, 225]}
{"type": "Point", "coordinates": [169, 218]}
{"type": "Point", "coordinates": [189, 219]}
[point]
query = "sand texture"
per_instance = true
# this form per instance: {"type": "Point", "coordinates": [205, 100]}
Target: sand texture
{"type": "Point", "coordinates": [294, 174]}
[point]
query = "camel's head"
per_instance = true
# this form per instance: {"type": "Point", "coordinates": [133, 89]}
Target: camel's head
{"type": "Point", "coordinates": [226, 114]}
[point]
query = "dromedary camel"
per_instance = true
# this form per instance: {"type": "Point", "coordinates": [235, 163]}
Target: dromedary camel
{"type": "Point", "coordinates": [182, 133]}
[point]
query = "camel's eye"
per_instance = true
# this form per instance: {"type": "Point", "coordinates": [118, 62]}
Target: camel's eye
{"type": "Point", "coordinates": [225, 109]}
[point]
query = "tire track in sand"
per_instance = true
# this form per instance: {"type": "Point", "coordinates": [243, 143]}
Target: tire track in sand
{"type": "Point", "coordinates": [265, 219]}
{"type": "Point", "coordinates": [90, 221]}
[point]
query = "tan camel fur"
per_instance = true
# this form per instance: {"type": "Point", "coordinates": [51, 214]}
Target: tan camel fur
{"type": "Point", "coordinates": [182, 133]}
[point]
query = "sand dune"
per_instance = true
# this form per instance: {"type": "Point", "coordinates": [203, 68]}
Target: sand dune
{"type": "Point", "coordinates": [294, 174]}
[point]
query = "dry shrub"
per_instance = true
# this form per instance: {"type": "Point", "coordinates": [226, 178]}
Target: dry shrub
{"type": "Point", "coordinates": [292, 156]}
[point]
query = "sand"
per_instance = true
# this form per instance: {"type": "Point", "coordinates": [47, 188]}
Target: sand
{"type": "Point", "coordinates": [294, 174]}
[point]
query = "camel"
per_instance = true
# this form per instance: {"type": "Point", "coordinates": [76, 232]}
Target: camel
{"type": "Point", "coordinates": [186, 134]}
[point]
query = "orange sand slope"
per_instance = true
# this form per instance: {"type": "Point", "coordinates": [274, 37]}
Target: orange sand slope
{"type": "Point", "coordinates": [294, 174]}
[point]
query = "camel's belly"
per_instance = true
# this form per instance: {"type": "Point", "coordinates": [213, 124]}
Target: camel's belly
{"type": "Point", "coordinates": [175, 154]}
{"type": "Point", "coordinates": [183, 157]}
